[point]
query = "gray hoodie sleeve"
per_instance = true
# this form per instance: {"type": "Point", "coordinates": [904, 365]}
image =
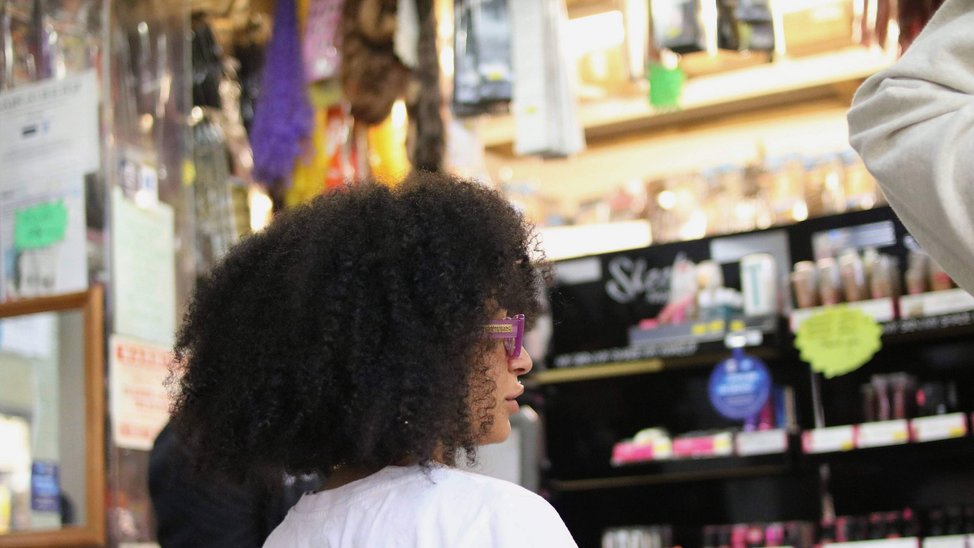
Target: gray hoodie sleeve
{"type": "Point", "coordinates": [913, 125]}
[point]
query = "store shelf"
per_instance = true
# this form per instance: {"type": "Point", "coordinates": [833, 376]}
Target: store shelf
{"type": "Point", "coordinates": [679, 472]}
{"type": "Point", "coordinates": [618, 369]}
{"type": "Point", "coordinates": [907, 542]}
{"type": "Point", "coordinates": [929, 328]}
{"type": "Point", "coordinates": [695, 344]}
{"type": "Point", "coordinates": [790, 462]}
{"type": "Point", "coordinates": [959, 450]}
{"type": "Point", "coordinates": [783, 81]}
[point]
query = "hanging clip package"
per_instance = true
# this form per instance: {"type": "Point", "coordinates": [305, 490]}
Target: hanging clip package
{"type": "Point", "coordinates": [483, 74]}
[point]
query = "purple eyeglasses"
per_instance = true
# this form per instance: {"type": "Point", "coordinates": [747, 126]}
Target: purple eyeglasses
{"type": "Point", "coordinates": [509, 329]}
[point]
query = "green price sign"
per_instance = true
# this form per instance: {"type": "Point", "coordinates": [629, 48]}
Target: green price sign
{"type": "Point", "coordinates": [838, 340]}
{"type": "Point", "coordinates": [40, 225]}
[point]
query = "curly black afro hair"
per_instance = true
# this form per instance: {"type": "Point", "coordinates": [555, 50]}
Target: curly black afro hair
{"type": "Point", "coordinates": [349, 331]}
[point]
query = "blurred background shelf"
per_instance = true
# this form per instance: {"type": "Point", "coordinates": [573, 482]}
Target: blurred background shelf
{"type": "Point", "coordinates": [785, 81]}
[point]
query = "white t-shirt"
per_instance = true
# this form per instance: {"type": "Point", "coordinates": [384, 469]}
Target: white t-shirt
{"type": "Point", "coordinates": [913, 125]}
{"type": "Point", "coordinates": [406, 507]}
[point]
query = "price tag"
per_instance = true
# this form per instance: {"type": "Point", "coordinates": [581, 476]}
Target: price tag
{"type": "Point", "coordinates": [905, 542]}
{"type": "Point", "coordinates": [626, 452]}
{"type": "Point", "coordinates": [838, 340]}
{"type": "Point", "coordinates": [765, 442]}
{"type": "Point", "coordinates": [715, 445]}
{"type": "Point", "coordinates": [829, 440]}
{"type": "Point", "coordinates": [947, 541]}
{"type": "Point", "coordinates": [878, 434]}
{"type": "Point", "coordinates": [939, 427]}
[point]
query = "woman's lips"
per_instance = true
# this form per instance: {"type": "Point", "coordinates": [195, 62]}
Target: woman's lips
{"type": "Point", "coordinates": [511, 401]}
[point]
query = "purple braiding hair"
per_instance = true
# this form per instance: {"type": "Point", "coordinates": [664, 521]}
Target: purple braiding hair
{"type": "Point", "coordinates": [283, 114]}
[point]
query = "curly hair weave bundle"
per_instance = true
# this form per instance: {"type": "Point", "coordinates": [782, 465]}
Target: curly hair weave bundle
{"type": "Point", "coordinates": [372, 76]}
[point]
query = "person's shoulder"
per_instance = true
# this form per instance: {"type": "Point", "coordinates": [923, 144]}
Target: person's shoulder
{"type": "Point", "coordinates": [464, 479]}
{"type": "Point", "coordinates": [513, 515]}
{"type": "Point", "coordinates": [498, 493]}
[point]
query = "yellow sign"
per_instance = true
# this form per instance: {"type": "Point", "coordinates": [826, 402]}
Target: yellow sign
{"type": "Point", "coordinates": [838, 340]}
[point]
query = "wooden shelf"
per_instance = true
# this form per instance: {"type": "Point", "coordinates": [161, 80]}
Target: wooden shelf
{"type": "Point", "coordinates": [780, 82]}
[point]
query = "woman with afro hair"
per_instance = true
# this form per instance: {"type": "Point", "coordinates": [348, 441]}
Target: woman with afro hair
{"type": "Point", "coordinates": [372, 337]}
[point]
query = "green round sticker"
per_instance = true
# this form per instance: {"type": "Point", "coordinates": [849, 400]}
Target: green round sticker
{"type": "Point", "coordinates": [838, 340]}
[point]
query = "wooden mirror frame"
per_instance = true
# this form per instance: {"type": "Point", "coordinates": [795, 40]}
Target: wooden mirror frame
{"type": "Point", "coordinates": [92, 532]}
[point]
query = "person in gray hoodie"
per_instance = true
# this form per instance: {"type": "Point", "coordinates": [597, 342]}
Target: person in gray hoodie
{"type": "Point", "coordinates": [913, 126]}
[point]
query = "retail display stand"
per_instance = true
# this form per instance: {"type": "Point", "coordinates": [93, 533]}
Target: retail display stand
{"type": "Point", "coordinates": [829, 461]}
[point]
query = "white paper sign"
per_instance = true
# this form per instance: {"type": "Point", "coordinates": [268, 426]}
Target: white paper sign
{"type": "Point", "coordinates": [144, 270]}
{"type": "Point", "coordinates": [29, 336]}
{"type": "Point", "coordinates": [49, 126]}
{"type": "Point", "coordinates": [139, 398]}
{"type": "Point", "coordinates": [52, 259]}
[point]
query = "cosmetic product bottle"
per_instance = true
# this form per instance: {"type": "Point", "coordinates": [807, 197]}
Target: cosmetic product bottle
{"type": "Point", "coordinates": [911, 526]}
{"type": "Point", "coordinates": [829, 287]}
{"type": "Point", "coordinates": [968, 520]}
{"type": "Point", "coordinates": [774, 534]}
{"type": "Point", "coordinates": [916, 273]}
{"type": "Point", "coordinates": [902, 387]}
{"type": "Point", "coordinates": [939, 280]}
{"type": "Point", "coordinates": [936, 525]}
{"type": "Point", "coordinates": [853, 276]}
{"type": "Point", "coordinates": [877, 525]}
{"type": "Point", "coordinates": [804, 282]}
{"type": "Point", "coordinates": [869, 403]}
{"type": "Point", "coordinates": [894, 525]}
{"type": "Point", "coordinates": [826, 531]}
{"type": "Point", "coordinates": [883, 403]}
{"type": "Point", "coordinates": [955, 520]}
{"type": "Point", "coordinates": [931, 399]}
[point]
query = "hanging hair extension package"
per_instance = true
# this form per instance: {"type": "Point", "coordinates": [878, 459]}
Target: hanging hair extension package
{"type": "Point", "coordinates": [678, 25]}
{"type": "Point", "coordinates": [546, 120]}
{"type": "Point", "coordinates": [483, 73]}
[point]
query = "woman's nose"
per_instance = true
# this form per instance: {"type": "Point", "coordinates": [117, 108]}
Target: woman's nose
{"type": "Point", "coordinates": [522, 364]}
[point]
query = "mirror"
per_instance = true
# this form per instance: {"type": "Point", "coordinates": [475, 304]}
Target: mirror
{"type": "Point", "coordinates": [52, 463]}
